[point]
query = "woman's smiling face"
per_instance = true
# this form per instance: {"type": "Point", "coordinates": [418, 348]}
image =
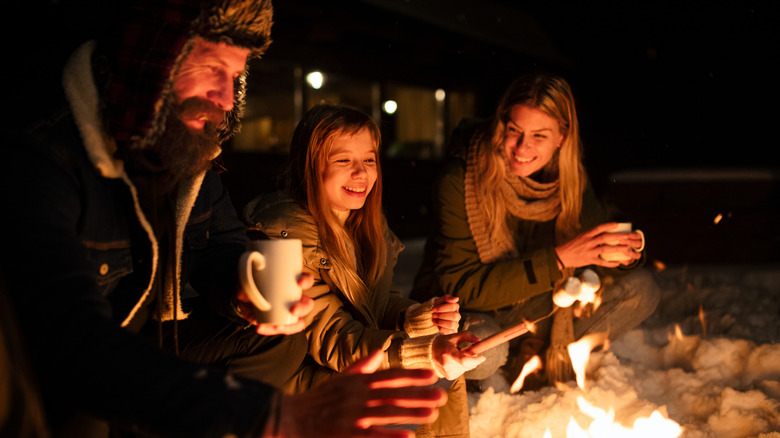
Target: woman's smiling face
{"type": "Point", "coordinates": [350, 171]}
{"type": "Point", "coordinates": [531, 138]}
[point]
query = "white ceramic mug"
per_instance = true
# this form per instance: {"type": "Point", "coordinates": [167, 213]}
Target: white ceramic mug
{"type": "Point", "coordinates": [622, 228]}
{"type": "Point", "coordinates": [268, 271]}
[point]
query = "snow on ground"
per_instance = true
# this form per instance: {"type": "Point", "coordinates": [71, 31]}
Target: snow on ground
{"type": "Point", "coordinates": [720, 378]}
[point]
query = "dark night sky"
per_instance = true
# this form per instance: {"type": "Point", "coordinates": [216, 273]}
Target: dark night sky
{"type": "Point", "coordinates": [688, 83]}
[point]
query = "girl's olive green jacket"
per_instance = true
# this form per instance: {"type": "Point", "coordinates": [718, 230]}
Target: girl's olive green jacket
{"type": "Point", "coordinates": [340, 329]}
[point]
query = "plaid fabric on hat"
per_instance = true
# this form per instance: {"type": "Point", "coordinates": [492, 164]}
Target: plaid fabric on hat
{"type": "Point", "coordinates": [156, 36]}
{"type": "Point", "coordinates": [142, 56]}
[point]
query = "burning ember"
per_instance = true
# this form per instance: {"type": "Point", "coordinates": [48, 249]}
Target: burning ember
{"type": "Point", "coordinates": [720, 217]}
{"type": "Point", "coordinates": [703, 320]}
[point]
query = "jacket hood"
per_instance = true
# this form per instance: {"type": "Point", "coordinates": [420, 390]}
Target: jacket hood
{"type": "Point", "coordinates": [144, 54]}
{"type": "Point", "coordinates": [276, 215]}
{"type": "Point", "coordinates": [279, 217]}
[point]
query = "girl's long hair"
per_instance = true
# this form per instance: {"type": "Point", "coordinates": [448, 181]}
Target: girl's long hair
{"type": "Point", "coordinates": [363, 232]}
{"type": "Point", "coordinates": [552, 95]}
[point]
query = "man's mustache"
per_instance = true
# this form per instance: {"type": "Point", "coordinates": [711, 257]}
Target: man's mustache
{"type": "Point", "coordinates": [197, 108]}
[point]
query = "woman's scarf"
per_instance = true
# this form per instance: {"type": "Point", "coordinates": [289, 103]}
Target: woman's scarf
{"type": "Point", "coordinates": [524, 198]}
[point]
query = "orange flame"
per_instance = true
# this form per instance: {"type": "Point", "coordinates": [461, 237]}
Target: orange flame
{"type": "Point", "coordinates": [703, 319]}
{"type": "Point", "coordinates": [678, 332]}
{"type": "Point", "coordinates": [603, 425]}
{"type": "Point", "coordinates": [533, 365]}
{"type": "Point", "coordinates": [579, 352]}
{"type": "Point", "coordinates": [530, 326]}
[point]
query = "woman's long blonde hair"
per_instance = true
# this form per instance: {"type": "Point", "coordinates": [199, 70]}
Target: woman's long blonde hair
{"type": "Point", "coordinates": [552, 95]}
{"type": "Point", "coordinates": [363, 231]}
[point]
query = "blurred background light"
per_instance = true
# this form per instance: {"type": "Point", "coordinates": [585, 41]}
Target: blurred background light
{"type": "Point", "coordinates": [390, 106]}
{"type": "Point", "coordinates": [315, 79]}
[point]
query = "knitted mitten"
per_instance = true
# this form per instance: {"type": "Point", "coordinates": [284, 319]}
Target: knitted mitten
{"type": "Point", "coordinates": [418, 353]}
{"type": "Point", "coordinates": [418, 320]}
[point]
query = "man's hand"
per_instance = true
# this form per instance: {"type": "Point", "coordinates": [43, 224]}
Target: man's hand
{"type": "Point", "coordinates": [358, 402]}
{"type": "Point", "coordinates": [300, 309]}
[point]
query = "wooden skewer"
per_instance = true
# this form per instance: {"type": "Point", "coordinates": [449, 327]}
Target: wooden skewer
{"type": "Point", "coordinates": [499, 338]}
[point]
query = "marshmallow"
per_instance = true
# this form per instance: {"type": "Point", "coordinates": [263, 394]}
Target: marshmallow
{"type": "Point", "coordinates": [568, 293]}
{"type": "Point", "coordinates": [583, 289]}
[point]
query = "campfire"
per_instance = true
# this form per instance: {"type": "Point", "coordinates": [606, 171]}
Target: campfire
{"type": "Point", "coordinates": [594, 420]}
{"type": "Point", "coordinates": [597, 421]}
{"type": "Point", "coordinates": [719, 378]}
{"type": "Point", "coordinates": [605, 426]}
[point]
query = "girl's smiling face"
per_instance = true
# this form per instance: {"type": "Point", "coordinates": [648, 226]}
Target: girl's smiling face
{"type": "Point", "coordinates": [350, 171]}
{"type": "Point", "coordinates": [531, 139]}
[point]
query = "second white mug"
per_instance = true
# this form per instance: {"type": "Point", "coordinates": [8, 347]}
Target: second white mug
{"type": "Point", "coordinates": [622, 228]}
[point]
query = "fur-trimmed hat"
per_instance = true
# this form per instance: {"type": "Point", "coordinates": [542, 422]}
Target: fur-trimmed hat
{"type": "Point", "coordinates": [144, 54]}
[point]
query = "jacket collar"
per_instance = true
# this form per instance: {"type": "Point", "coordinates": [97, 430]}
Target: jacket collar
{"type": "Point", "coordinates": [84, 99]}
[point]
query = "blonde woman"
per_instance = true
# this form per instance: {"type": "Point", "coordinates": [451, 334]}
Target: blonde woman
{"type": "Point", "coordinates": [333, 203]}
{"type": "Point", "coordinates": [514, 215]}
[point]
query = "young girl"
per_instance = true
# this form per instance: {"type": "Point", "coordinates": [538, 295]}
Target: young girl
{"type": "Point", "coordinates": [332, 202]}
{"type": "Point", "coordinates": [514, 215]}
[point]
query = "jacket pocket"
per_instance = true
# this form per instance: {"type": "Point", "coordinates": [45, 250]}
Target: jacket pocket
{"type": "Point", "coordinates": [196, 234]}
{"type": "Point", "coordinates": [109, 261]}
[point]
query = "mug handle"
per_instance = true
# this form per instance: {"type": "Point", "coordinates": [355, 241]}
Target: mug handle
{"type": "Point", "coordinates": [249, 262]}
{"type": "Point", "coordinates": [641, 248]}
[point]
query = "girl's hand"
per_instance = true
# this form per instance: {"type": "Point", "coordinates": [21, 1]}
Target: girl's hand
{"type": "Point", "coordinates": [585, 249]}
{"type": "Point", "coordinates": [446, 314]}
{"type": "Point", "coordinates": [451, 362]}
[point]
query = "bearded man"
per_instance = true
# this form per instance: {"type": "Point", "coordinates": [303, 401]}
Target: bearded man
{"type": "Point", "coordinates": [121, 248]}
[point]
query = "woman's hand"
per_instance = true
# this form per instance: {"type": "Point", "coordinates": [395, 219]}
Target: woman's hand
{"type": "Point", "coordinates": [299, 309]}
{"type": "Point", "coordinates": [585, 249]}
{"type": "Point", "coordinates": [450, 361]}
{"type": "Point", "coordinates": [446, 314]}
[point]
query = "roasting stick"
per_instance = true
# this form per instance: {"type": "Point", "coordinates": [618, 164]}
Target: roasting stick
{"type": "Point", "coordinates": [504, 336]}
{"type": "Point", "coordinates": [499, 338]}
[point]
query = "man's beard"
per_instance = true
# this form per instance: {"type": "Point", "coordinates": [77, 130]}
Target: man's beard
{"type": "Point", "coordinates": [182, 151]}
